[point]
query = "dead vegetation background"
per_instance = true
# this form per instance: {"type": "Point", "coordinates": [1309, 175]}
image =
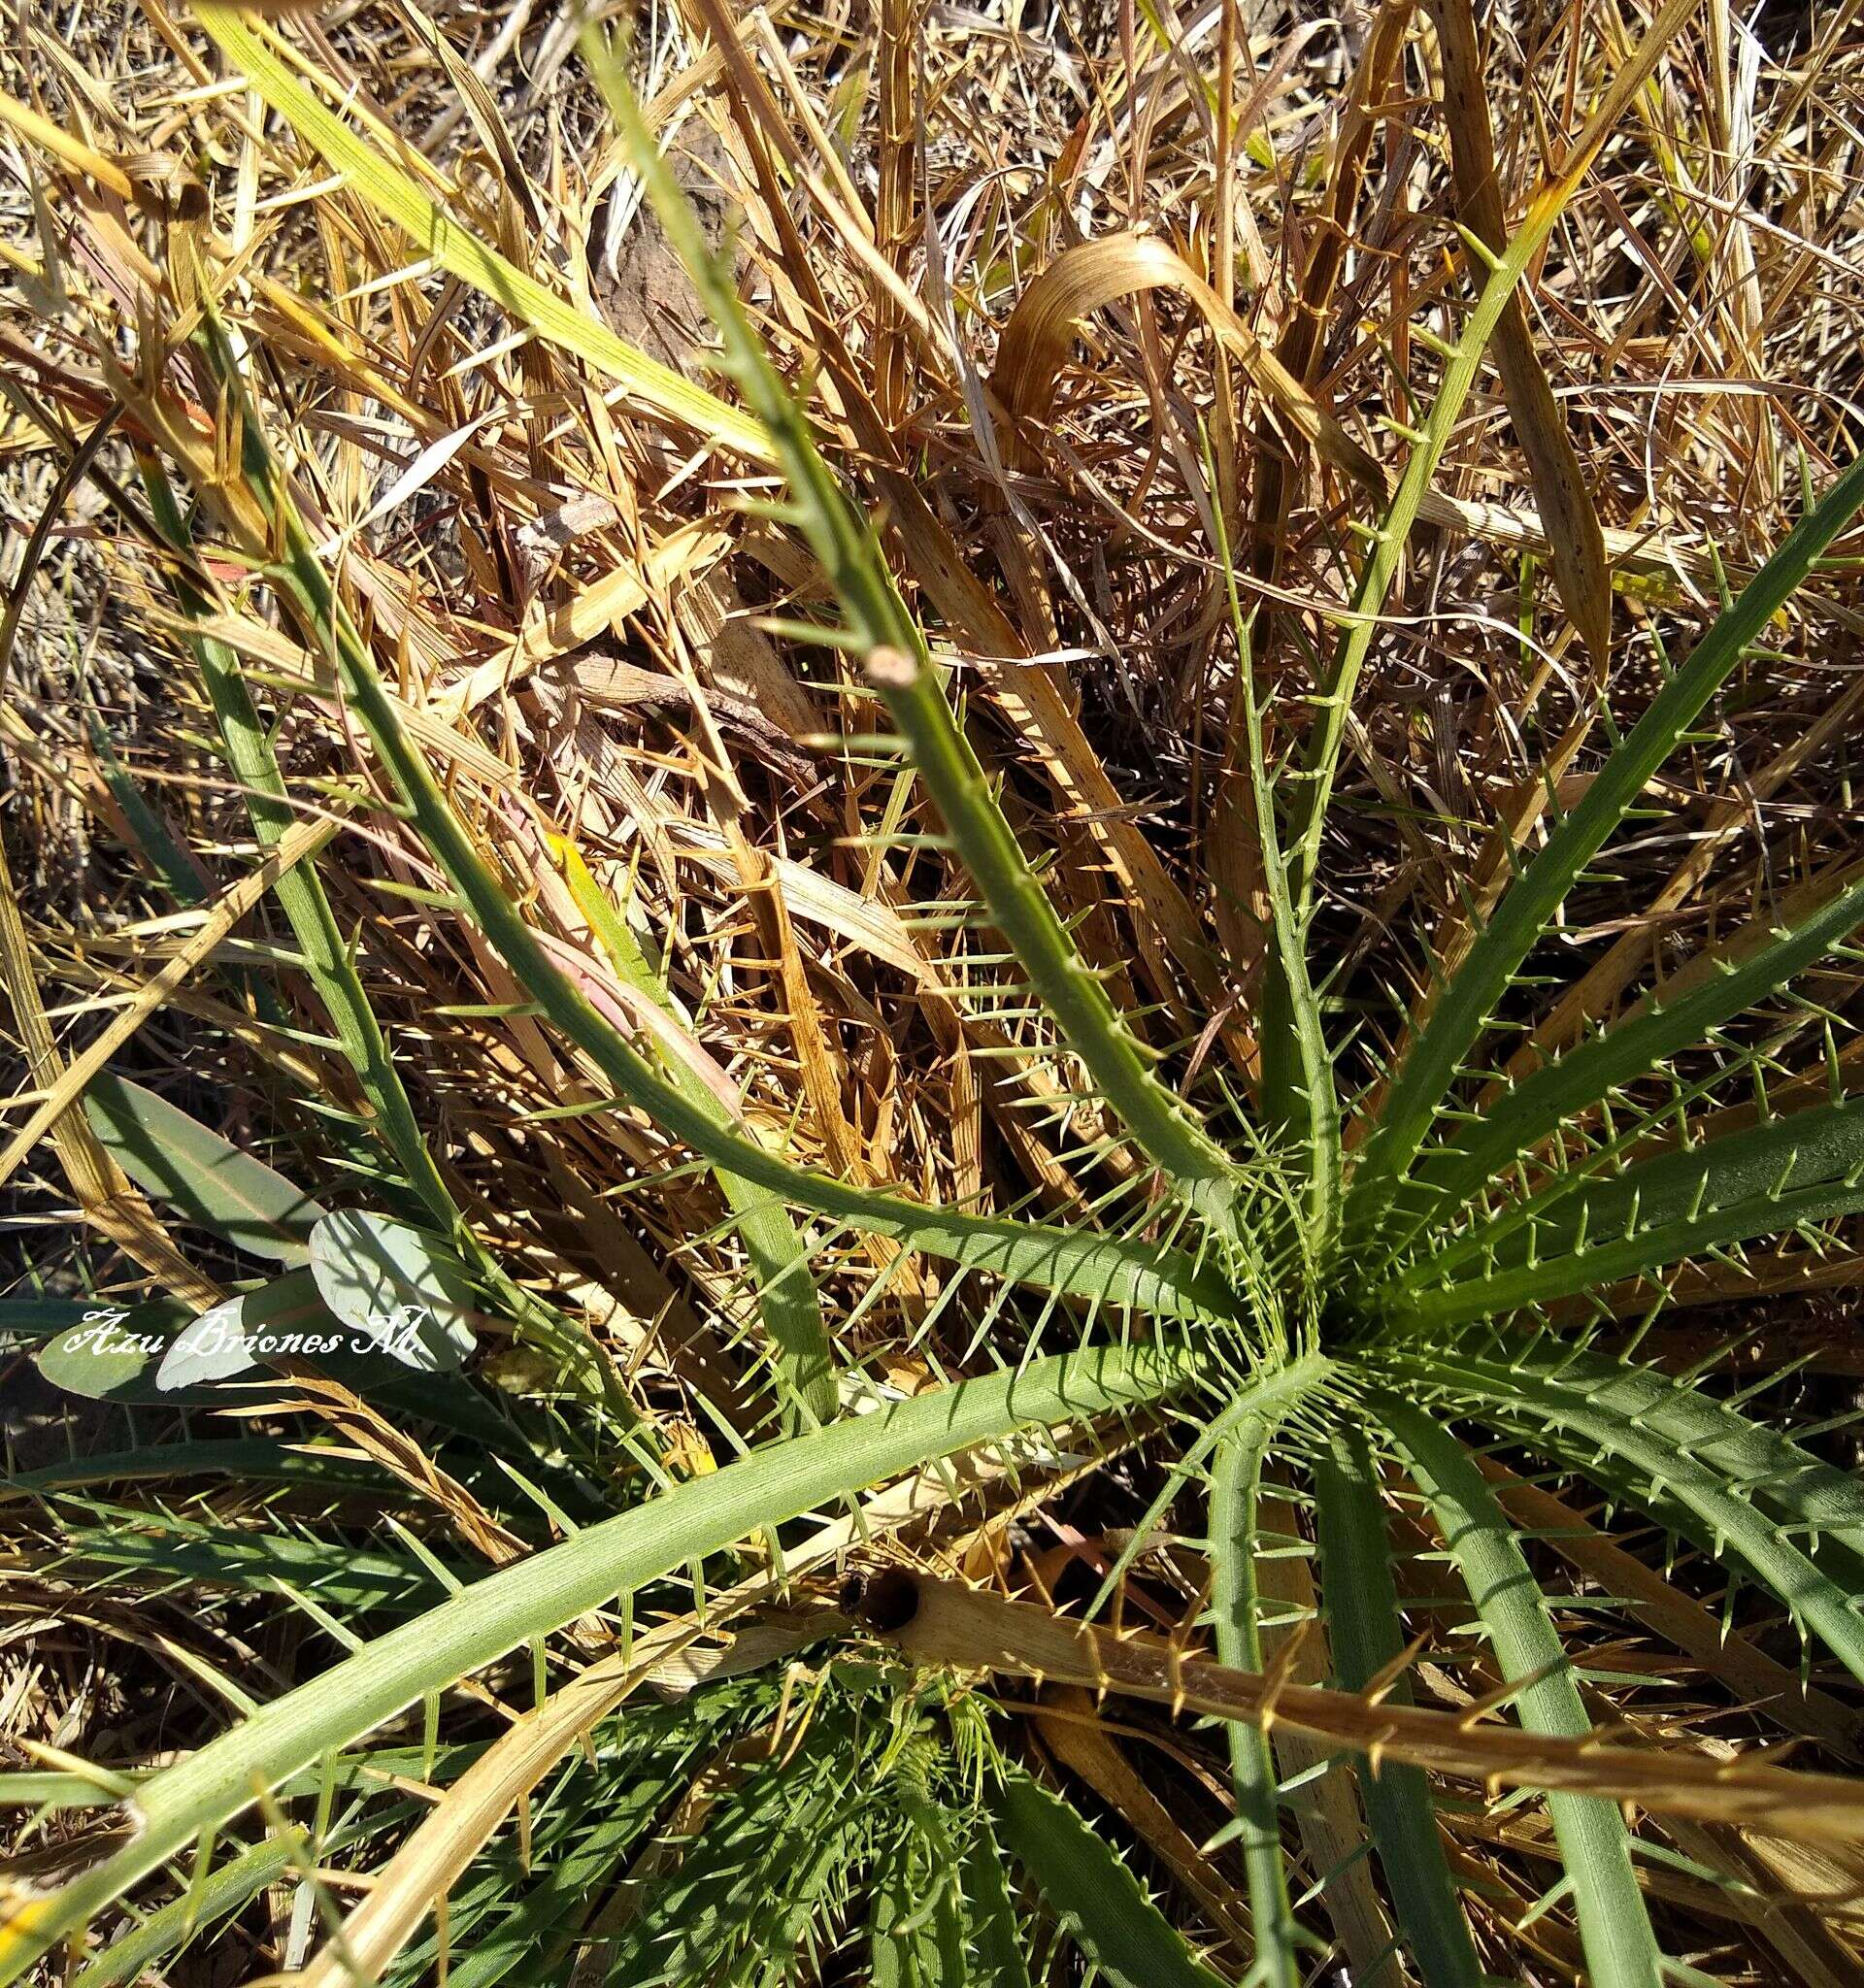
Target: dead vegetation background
{"type": "Point", "coordinates": [583, 609]}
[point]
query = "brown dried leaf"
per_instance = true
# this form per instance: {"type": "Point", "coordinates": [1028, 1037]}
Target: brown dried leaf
{"type": "Point", "coordinates": [1576, 541]}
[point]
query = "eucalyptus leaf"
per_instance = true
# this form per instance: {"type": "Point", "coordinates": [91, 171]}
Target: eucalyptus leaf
{"type": "Point", "coordinates": [286, 1320]}
{"type": "Point", "coordinates": [204, 1176]}
{"type": "Point", "coordinates": [401, 1289]}
{"type": "Point", "coordinates": [114, 1352]}
{"type": "Point", "coordinates": [33, 1321]}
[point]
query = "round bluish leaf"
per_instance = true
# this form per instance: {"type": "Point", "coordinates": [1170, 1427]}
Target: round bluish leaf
{"type": "Point", "coordinates": [111, 1352]}
{"type": "Point", "coordinates": [402, 1289]}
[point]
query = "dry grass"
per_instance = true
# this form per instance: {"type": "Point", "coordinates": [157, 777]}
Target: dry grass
{"type": "Point", "coordinates": [566, 568]}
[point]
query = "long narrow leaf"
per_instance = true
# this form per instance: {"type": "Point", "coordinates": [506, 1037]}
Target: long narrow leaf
{"type": "Point", "coordinates": [1164, 1127]}
{"type": "Point", "coordinates": [1462, 363]}
{"type": "Point", "coordinates": [1595, 1846]}
{"type": "Point", "coordinates": [586, 1572]}
{"type": "Point", "coordinates": [1578, 1082]}
{"type": "Point", "coordinates": [1235, 1606]}
{"type": "Point", "coordinates": [300, 891]}
{"type": "Point", "coordinates": [1299, 1092]}
{"type": "Point", "coordinates": [1363, 1624]}
{"type": "Point", "coordinates": [997, 1958]}
{"type": "Point", "coordinates": [786, 1299]}
{"type": "Point", "coordinates": [1463, 1012]}
{"type": "Point", "coordinates": [398, 198]}
{"type": "Point", "coordinates": [843, 541]}
{"type": "Point", "coordinates": [1094, 1895]}
{"type": "Point", "coordinates": [1742, 1492]}
{"type": "Point", "coordinates": [1098, 1268]}
{"type": "Point", "coordinates": [1590, 1232]}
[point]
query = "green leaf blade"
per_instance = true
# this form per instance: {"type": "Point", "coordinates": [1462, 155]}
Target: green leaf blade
{"type": "Point", "coordinates": [1595, 1846]}
{"type": "Point", "coordinates": [1445, 1045]}
{"type": "Point", "coordinates": [1236, 1607]}
{"type": "Point", "coordinates": [1164, 1127]}
{"type": "Point", "coordinates": [1734, 1487]}
{"type": "Point", "coordinates": [1092, 1893]}
{"type": "Point", "coordinates": [201, 1174]}
{"type": "Point", "coordinates": [1103, 1269]}
{"type": "Point", "coordinates": [1578, 1082]}
{"type": "Point", "coordinates": [1585, 1233]}
{"type": "Point", "coordinates": [534, 1596]}
{"type": "Point", "coordinates": [786, 1296]}
{"type": "Point", "coordinates": [842, 539]}
{"type": "Point", "coordinates": [1364, 1628]}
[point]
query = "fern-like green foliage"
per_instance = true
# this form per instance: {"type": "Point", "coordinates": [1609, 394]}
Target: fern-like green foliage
{"type": "Point", "coordinates": [1347, 1302]}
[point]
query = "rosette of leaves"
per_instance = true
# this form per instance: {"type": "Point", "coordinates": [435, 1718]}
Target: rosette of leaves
{"type": "Point", "coordinates": [1368, 1291]}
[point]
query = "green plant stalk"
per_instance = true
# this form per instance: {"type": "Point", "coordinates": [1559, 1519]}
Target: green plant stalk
{"type": "Point", "coordinates": [1436, 1056]}
{"type": "Point", "coordinates": [534, 1596]}
{"type": "Point", "coordinates": [843, 541]}
{"type": "Point", "coordinates": [786, 1299]}
{"type": "Point", "coordinates": [1595, 1846]}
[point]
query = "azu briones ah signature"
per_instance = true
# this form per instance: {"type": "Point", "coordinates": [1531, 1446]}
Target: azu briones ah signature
{"type": "Point", "coordinates": [223, 1335]}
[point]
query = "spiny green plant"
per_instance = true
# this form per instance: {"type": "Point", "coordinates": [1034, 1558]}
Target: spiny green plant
{"type": "Point", "coordinates": [1363, 1291]}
